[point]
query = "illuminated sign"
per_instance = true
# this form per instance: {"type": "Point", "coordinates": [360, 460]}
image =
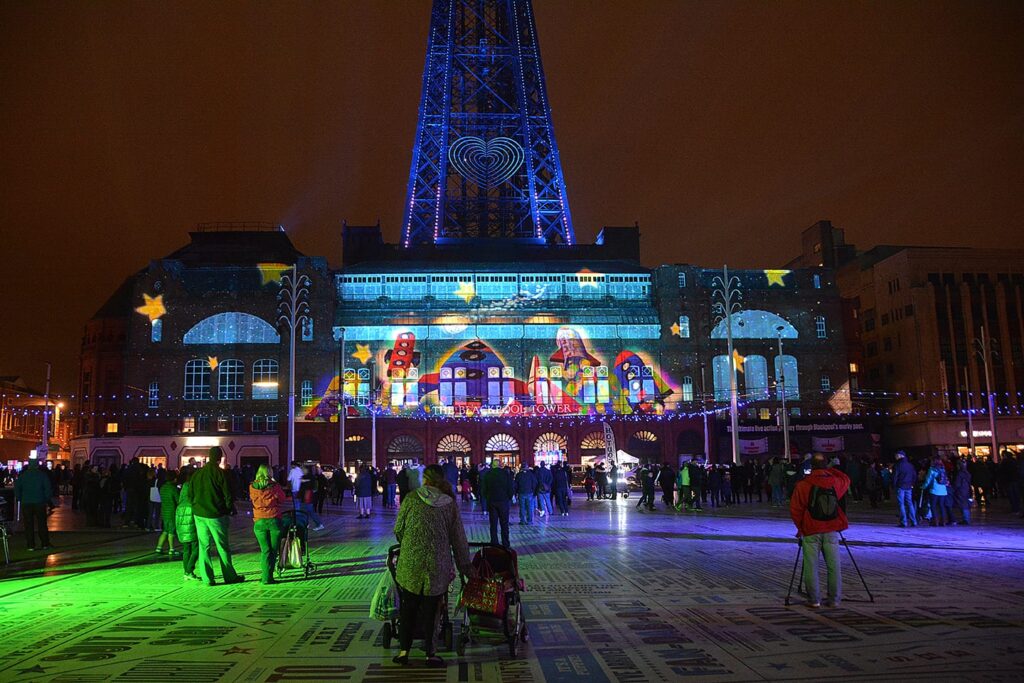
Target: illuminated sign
{"type": "Point", "coordinates": [978, 433]}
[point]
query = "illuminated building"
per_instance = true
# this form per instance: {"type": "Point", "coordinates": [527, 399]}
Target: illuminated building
{"type": "Point", "coordinates": [487, 331]}
{"type": "Point", "coordinates": [916, 313]}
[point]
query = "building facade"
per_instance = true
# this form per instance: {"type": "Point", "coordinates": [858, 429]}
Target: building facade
{"type": "Point", "coordinates": [486, 332]}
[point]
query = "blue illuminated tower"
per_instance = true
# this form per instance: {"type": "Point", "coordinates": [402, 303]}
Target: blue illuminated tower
{"type": "Point", "coordinates": [485, 162]}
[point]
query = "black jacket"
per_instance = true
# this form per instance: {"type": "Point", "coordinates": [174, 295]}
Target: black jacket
{"type": "Point", "coordinates": [496, 486]}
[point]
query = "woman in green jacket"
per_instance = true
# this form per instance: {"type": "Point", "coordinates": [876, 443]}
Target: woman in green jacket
{"type": "Point", "coordinates": [168, 507]}
{"type": "Point", "coordinates": [185, 524]}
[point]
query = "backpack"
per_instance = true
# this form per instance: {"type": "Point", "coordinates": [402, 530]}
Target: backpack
{"type": "Point", "coordinates": [824, 504]}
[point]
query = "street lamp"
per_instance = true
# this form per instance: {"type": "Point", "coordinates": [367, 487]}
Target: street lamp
{"type": "Point", "coordinates": [339, 336]}
{"type": "Point", "coordinates": [780, 384]}
{"type": "Point", "coordinates": [726, 288]}
{"type": "Point", "coordinates": [983, 347]}
{"type": "Point", "coordinates": [294, 312]}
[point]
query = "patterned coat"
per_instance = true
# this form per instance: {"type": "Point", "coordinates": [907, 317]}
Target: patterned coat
{"type": "Point", "coordinates": [429, 529]}
{"type": "Point", "coordinates": [184, 522]}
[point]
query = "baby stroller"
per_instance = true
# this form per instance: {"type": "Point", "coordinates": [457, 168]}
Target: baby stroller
{"type": "Point", "coordinates": [294, 552]}
{"type": "Point", "coordinates": [499, 564]}
{"type": "Point", "coordinates": [443, 631]}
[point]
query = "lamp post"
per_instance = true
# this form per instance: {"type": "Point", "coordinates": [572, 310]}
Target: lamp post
{"type": "Point", "coordinates": [726, 289]}
{"type": "Point", "coordinates": [704, 412]}
{"type": "Point", "coordinates": [373, 413]}
{"type": "Point", "coordinates": [293, 312]}
{"type": "Point", "coordinates": [983, 347]}
{"type": "Point", "coordinates": [970, 409]}
{"type": "Point", "coordinates": [339, 336]}
{"type": "Point", "coordinates": [780, 383]}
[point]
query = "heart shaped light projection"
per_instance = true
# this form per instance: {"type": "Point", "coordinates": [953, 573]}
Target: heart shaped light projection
{"type": "Point", "coordinates": [488, 163]}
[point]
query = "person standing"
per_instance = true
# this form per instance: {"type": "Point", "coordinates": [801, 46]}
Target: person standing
{"type": "Point", "coordinates": [295, 477]}
{"type": "Point", "coordinates": [816, 507]}
{"type": "Point", "coordinates": [526, 491]}
{"type": "Point", "coordinates": [936, 487]}
{"type": "Point", "coordinates": [613, 481]}
{"type": "Point", "coordinates": [904, 476]}
{"type": "Point", "coordinates": [364, 492]}
{"type": "Point", "coordinates": [266, 496]}
{"type": "Point", "coordinates": [390, 486]}
{"type": "Point", "coordinates": [169, 497]}
{"type": "Point", "coordinates": [683, 487]}
{"type": "Point", "coordinates": [33, 489]}
{"type": "Point", "coordinates": [962, 492]}
{"type": "Point", "coordinates": [496, 490]}
{"type": "Point", "coordinates": [545, 482]}
{"type": "Point", "coordinates": [212, 505]}
{"type": "Point", "coordinates": [776, 480]}
{"type": "Point", "coordinates": [560, 488]}
{"type": "Point", "coordinates": [451, 473]}
{"type": "Point", "coordinates": [667, 481]}
{"type": "Point", "coordinates": [185, 525]}
{"type": "Point", "coordinates": [601, 479]}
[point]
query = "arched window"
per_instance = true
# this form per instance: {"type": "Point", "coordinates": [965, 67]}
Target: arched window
{"type": "Point", "coordinates": [264, 379]}
{"type": "Point", "coordinates": [550, 441]}
{"type": "Point", "coordinates": [593, 441]}
{"type": "Point", "coordinates": [405, 444]}
{"type": "Point", "coordinates": [755, 376]}
{"type": "Point", "coordinates": [645, 436]}
{"type": "Point", "coordinates": [755, 324]}
{"type": "Point", "coordinates": [501, 443]}
{"type": "Point", "coordinates": [454, 443]}
{"type": "Point", "coordinates": [786, 368]}
{"type": "Point", "coordinates": [230, 380]}
{"type": "Point", "coordinates": [687, 388]}
{"type": "Point", "coordinates": [232, 328]}
{"type": "Point", "coordinates": [197, 380]}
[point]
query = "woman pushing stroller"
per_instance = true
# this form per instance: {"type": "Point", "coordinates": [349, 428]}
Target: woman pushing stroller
{"type": "Point", "coordinates": [430, 532]}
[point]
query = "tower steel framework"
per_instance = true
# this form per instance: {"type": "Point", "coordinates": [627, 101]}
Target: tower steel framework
{"type": "Point", "coordinates": [485, 162]}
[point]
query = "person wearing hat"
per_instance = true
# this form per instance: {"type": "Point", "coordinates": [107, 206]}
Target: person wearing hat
{"type": "Point", "coordinates": [212, 505]}
{"type": "Point", "coordinates": [904, 476]}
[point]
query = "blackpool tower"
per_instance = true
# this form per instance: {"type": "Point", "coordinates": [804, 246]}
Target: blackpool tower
{"type": "Point", "coordinates": [485, 163]}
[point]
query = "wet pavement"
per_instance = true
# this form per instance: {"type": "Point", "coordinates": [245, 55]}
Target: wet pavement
{"type": "Point", "coordinates": [612, 595]}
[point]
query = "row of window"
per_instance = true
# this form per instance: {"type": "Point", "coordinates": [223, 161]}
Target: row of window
{"type": "Point", "coordinates": [234, 423]}
{"type": "Point", "coordinates": [230, 381]}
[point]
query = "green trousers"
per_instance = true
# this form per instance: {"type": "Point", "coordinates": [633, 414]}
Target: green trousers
{"type": "Point", "coordinates": [212, 533]}
{"type": "Point", "coordinates": [268, 535]}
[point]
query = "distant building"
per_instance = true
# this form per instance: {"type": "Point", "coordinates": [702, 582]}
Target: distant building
{"type": "Point", "coordinates": [22, 414]}
{"type": "Point", "coordinates": [918, 315]}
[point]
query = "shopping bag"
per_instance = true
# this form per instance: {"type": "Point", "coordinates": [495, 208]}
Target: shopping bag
{"type": "Point", "coordinates": [484, 595]}
{"type": "Point", "coordinates": [291, 550]}
{"type": "Point", "coordinates": [384, 605]}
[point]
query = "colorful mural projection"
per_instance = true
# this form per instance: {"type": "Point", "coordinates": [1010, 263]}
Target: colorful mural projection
{"type": "Point", "coordinates": [475, 379]}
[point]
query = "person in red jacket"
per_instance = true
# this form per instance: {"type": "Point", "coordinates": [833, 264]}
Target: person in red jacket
{"type": "Point", "coordinates": [818, 514]}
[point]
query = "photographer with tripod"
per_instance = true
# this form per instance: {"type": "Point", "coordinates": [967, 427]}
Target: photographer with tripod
{"type": "Point", "coordinates": [818, 511]}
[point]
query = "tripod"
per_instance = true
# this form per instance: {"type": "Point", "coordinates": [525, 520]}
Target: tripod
{"type": "Point", "coordinates": [796, 563]}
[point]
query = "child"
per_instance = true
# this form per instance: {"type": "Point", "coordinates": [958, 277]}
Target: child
{"type": "Point", "coordinates": [467, 490]}
{"type": "Point", "coordinates": [168, 511]}
{"type": "Point", "coordinates": [185, 525]}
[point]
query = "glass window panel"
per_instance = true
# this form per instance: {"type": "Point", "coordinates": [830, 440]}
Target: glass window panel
{"type": "Point", "coordinates": [306, 393]}
{"type": "Point", "coordinates": [156, 330]}
{"type": "Point", "coordinates": [154, 394]}
{"type": "Point", "coordinates": [232, 328]}
{"type": "Point", "coordinates": [230, 379]}
{"type": "Point", "coordinates": [687, 388]}
{"type": "Point", "coordinates": [197, 380]}
{"type": "Point", "coordinates": [789, 374]}
{"type": "Point", "coordinates": [755, 375]}
{"type": "Point", "coordinates": [264, 379]}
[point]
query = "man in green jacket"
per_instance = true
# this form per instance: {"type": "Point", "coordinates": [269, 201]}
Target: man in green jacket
{"type": "Point", "coordinates": [32, 488]}
{"type": "Point", "coordinates": [212, 505]}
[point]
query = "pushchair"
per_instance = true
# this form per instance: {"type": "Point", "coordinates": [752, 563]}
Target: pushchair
{"type": "Point", "coordinates": [443, 629]}
{"type": "Point", "coordinates": [294, 552]}
{"type": "Point", "coordinates": [499, 563]}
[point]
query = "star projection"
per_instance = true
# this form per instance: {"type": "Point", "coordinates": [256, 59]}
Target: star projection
{"type": "Point", "coordinates": [153, 308]}
{"type": "Point", "coordinates": [362, 353]}
{"type": "Point", "coordinates": [466, 291]}
{"type": "Point", "coordinates": [272, 272]}
{"type": "Point", "coordinates": [775, 277]}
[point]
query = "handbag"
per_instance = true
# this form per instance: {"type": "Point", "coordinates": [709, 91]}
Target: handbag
{"type": "Point", "coordinates": [291, 550]}
{"type": "Point", "coordinates": [484, 593]}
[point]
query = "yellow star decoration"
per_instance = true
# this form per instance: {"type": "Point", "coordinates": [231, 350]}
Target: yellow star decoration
{"type": "Point", "coordinates": [272, 272]}
{"type": "Point", "coordinates": [362, 353]}
{"type": "Point", "coordinates": [675, 329]}
{"type": "Point", "coordinates": [738, 360]}
{"type": "Point", "coordinates": [466, 291]}
{"type": "Point", "coordinates": [775, 277]}
{"type": "Point", "coordinates": [153, 307]}
{"type": "Point", "coordinates": [588, 278]}
{"type": "Point", "coordinates": [212, 360]}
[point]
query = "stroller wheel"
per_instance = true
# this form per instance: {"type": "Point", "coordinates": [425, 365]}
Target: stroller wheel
{"type": "Point", "coordinates": [626, 494]}
{"type": "Point", "coordinates": [388, 634]}
{"type": "Point", "coordinates": [448, 636]}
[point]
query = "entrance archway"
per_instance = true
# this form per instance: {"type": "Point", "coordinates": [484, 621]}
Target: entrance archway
{"type": "Point", "coordinates": [550, 447]}
{"type": "Point", "coordinates": [456, 448]}
{"type": "Point", "coordinates": [644, 444]}
{"type": "Point", "coordinates": [504, 448]}
{"type": "Point", "coordinates": [405, 448]}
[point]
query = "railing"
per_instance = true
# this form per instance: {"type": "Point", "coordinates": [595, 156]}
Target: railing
{"type": "Point", "coordinates": [240, 226]}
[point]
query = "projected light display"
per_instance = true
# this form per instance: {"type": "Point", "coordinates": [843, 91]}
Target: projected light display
{"type": "Point", "coordinates": [488, 163]}
{"type": "Point", "coordinates": [444, 370]}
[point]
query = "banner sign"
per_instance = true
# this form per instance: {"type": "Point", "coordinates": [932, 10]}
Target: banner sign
{"type": "Point", "coordinates": [832, 444]}
{"type": "Point", "coordinates": [753, 446]}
